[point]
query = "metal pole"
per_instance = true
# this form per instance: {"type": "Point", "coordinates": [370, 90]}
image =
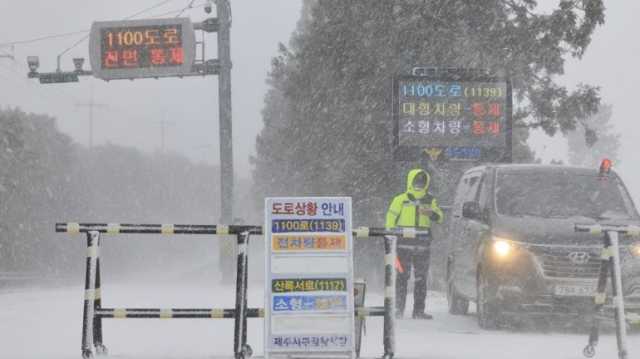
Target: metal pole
{"type": "Point", "coordinates": [599, 299]}
{"type": "Point", "coordinates": [247, 349]}
{"type": "Point", "coordinates": [89, 294]}
{"type": "Point", "coordinates": [616, 273]}
{"type": "Point", "coordinates": [360, 288]}
{"type": "Point", "coordinates": [97, 321]}
{"type": "Point", "coordinates": [224, 89]}
{"type": "Point", "coordinates": [225, 130]}
{"type": "Point", "coordinates": [389, 339]}
{"type": "Point", "coordinates": [239, 338]}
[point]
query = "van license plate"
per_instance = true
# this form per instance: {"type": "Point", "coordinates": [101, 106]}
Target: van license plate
{"type": "Point", "coordinates": [575, 290]}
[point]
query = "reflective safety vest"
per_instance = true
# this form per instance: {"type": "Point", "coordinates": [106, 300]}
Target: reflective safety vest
{"type": "Point", "coordinates": [414, 208]}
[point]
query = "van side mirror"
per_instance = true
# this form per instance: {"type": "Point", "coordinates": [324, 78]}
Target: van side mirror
{"type": "Point", "coordinates": [471, 210]}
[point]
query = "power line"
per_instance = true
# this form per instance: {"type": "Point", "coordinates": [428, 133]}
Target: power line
{"type": "Point", "coordinates": [148, 9]}
{"type": "Point", "coordinates": [71, 47]}
{"type": "Point", "coordinates": [14, 71]}
{"type": "Point", "coordinates": [161, 3]}
{"type": "Point", "coordinates": [190, 5]}
{"type": "Point", "coordinates": [67, 34]}
{"type": "Point", "coordinates": [177, 11]}
{"type": "Point", "coordinates": [15, 75]}
{"type": "Point", "coordinates": [28, 41]}
{"type": "Point", "coordinates": [34, 89]}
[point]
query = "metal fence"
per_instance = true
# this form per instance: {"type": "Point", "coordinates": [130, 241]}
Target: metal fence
{"type": "Point", "coordinates": [92, 333]}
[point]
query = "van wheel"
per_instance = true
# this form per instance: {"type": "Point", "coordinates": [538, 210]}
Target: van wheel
{"type": "Point", "coordinates": [456, 303]}
{"type": "Point", "coordinates": [485, 299]}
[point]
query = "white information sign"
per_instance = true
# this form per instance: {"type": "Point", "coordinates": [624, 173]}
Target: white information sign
{"type": "Point", "coordinates": [309, 305]}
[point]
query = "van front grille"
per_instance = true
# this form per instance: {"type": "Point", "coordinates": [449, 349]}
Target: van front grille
{"type": "Point", "coordinates": [568, 262]}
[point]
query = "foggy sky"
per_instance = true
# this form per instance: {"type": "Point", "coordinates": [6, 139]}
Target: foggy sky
{"type": "Point", "coordinates": [134, 108]}
{"type": "Point", "coordinates": [611, 62]}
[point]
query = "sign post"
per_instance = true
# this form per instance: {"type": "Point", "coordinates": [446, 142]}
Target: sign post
{"type": "Point", "coordinates": [309, 303]}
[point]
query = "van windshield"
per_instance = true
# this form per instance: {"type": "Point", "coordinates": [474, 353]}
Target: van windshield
{"type": "Point", "coordinates": [561, 194]}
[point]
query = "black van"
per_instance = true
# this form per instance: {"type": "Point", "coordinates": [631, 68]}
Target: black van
{"type": "Point", "coordinates": [513, 247]}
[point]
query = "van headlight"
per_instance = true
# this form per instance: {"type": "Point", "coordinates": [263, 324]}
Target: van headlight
{"type": "Point", "coordinates": [502, 247]}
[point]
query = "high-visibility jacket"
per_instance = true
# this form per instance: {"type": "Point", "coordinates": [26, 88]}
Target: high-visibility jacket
{"type": "Point", "coordinates": [410, 209]}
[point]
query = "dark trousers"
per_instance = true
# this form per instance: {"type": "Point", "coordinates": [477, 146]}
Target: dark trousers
{"type": "Point", "coordinates": [419, 259]}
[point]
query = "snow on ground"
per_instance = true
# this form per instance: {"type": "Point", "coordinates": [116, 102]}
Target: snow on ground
{"type": "Point", "coordinates": [46, 323]}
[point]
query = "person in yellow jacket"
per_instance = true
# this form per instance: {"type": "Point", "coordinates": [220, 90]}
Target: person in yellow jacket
{"type": "Point", "coordinates": [415, 208]}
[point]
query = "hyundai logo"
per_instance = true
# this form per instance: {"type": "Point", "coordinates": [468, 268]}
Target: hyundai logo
{"type": "Point", "coordinates": [579, 257]}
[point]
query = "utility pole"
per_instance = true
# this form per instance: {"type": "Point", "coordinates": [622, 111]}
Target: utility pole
{"type": "Point", "coordinates": [223, 9]}
{"type": "Point", "coordinates": [226, 257]}
{"type": "Point", "coordinates": [91, 105]}
{"type": "Point", "coordinates": [205, 151]}
{"type": "Point", "coordinates": [163, 124]}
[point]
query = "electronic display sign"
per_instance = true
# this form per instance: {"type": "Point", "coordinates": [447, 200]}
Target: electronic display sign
{"type": "Point", "coordinates": [142, 48]}
{"type": "Point", "coordinates": [452, 117]}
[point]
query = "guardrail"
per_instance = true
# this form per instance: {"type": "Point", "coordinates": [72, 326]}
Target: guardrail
{"type": "Point", "coordinates": [93, 312]}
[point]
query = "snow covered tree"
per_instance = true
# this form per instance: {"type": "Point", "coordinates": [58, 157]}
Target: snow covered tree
{"type": "Point", "coordinates": [327, 115]}
{"type": "Point", "coordinates": [45, 178]}
{"type": "Point", "coordinates": [594, 141]}
{"type": "Point", "coordinates": [35, 169]}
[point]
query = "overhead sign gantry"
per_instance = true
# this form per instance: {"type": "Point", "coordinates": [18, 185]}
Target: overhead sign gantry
{"type": "Point", "coordinates": [156, 48]}
{"type": "Point", "coordinates": [138, 49]}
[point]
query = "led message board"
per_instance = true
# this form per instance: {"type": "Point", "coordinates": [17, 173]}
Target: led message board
{"type": "Point", "coordinates": [142, 48]}
{"type": "Point", "coordinates": [455, 117]}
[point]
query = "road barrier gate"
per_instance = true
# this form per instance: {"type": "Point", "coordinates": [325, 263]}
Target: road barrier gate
{"type": "Point", "coordinates": [93, 312]}
{"type": "Point", "coordinates": [610, 266]}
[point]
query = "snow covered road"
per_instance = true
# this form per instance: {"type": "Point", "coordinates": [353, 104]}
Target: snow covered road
{"type": "Point", "coordinates": [46, 323]}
